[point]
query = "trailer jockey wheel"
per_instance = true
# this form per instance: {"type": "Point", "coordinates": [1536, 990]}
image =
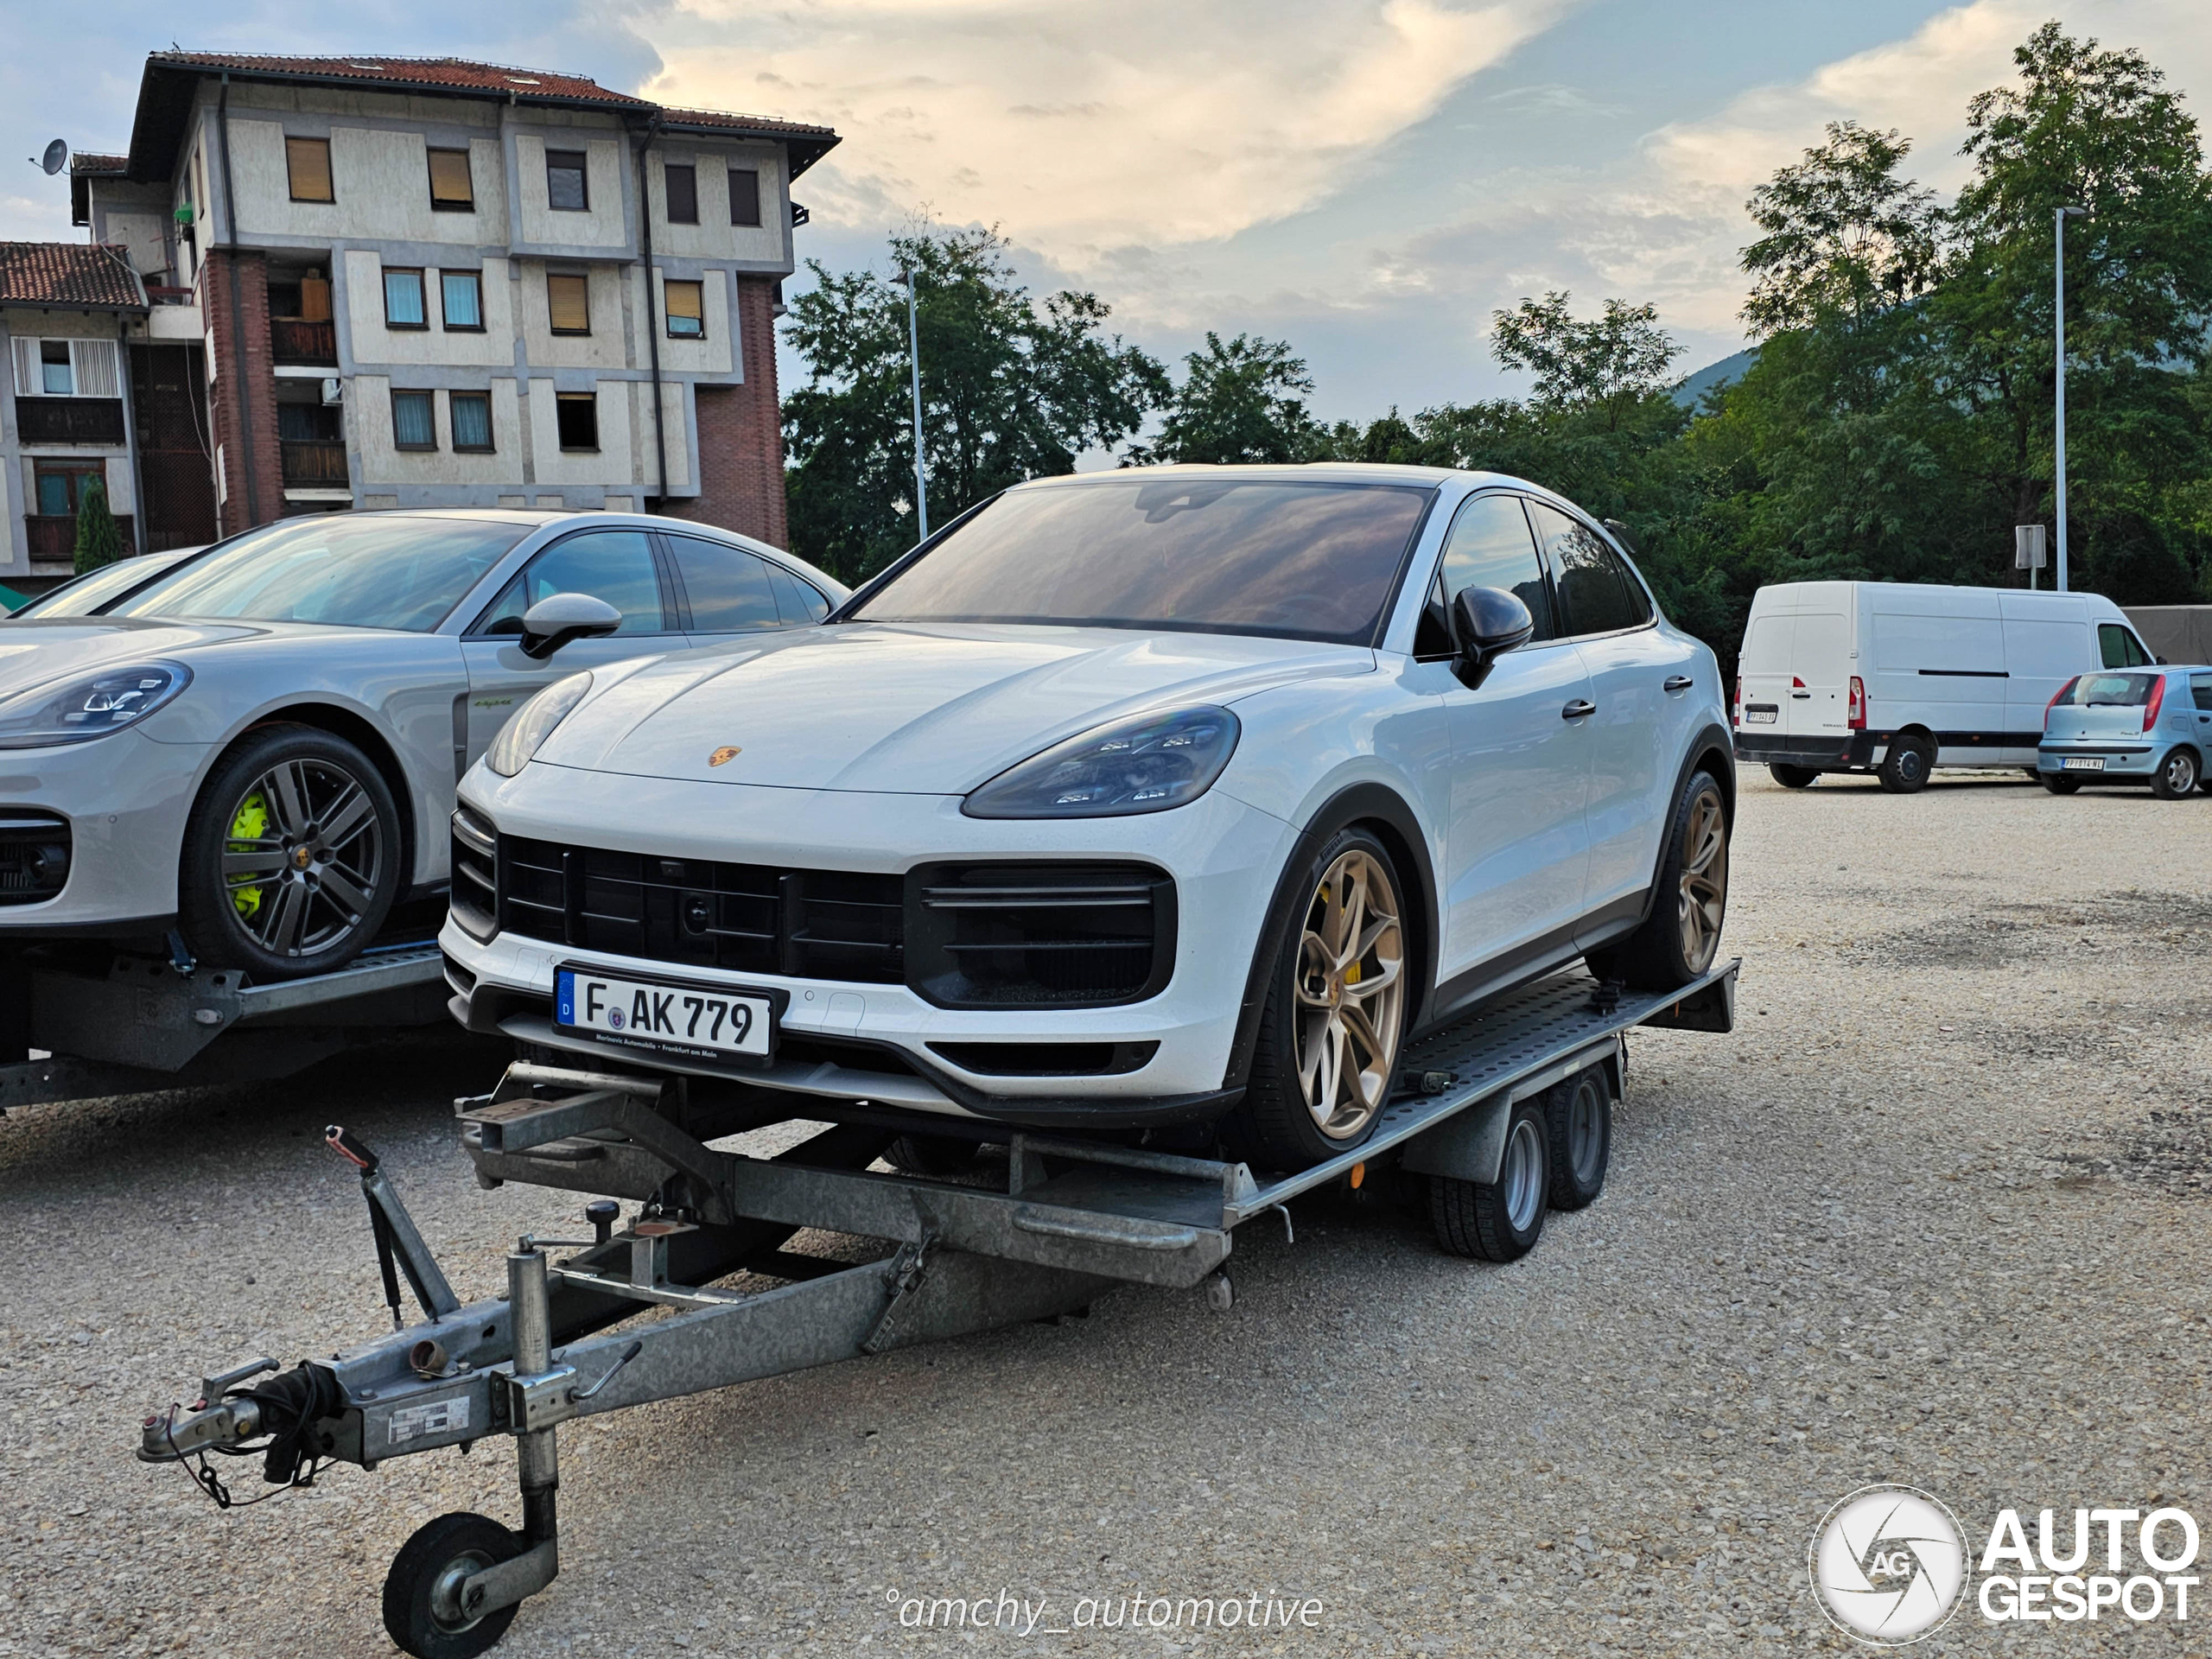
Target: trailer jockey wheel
{"type": "Point", "coordinates": [422, 1593]}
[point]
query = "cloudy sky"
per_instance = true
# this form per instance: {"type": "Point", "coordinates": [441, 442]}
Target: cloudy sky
{"type": "Point", "coordinates": [1368, 179]}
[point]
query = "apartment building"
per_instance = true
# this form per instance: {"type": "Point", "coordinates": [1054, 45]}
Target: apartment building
{"type": "Point", "coordinates": [420, 282]}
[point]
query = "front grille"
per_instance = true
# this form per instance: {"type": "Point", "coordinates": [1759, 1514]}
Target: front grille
{"type": "Point", "coordinates": [34, 855]}
{"type": "Point", "coordinates": [1040, 934]}
{"type": "Point", "coordinates": [748, 918]}
{"type": "Point", "coordinates": [475, 903]}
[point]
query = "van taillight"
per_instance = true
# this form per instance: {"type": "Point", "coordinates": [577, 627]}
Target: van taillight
{"type": "Point", "coordinates": [2158, 700]}
{"type": "Point", "coordinates": [2059, 696]}
{"type": "Point", "coordinates": [1858, 711]}
{"type": "Point", "coordinates": [1736, 709]}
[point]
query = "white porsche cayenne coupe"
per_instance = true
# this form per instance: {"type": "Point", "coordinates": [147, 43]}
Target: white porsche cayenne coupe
{"type": "Point", "coordinates": [1164, 797]}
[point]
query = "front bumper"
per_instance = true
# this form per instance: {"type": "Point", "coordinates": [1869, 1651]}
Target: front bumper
{"type": "Point", "coordinates": [125, 799]}
{"type": "Point", "coordinates": [851, 1041]}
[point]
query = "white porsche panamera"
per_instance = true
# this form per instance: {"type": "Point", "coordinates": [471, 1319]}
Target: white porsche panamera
{"type": "Point", "coordinates": [1166, 796]}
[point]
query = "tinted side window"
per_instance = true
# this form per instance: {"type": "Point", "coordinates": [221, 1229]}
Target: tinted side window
{"type": "Point", "coordinates": [1490, 547]}
{"type": "Point", "coordinates": [2200, 687]}
{"type": "Point", "coordinates": [2119, 648]}
{"type": "Point", "coordinates": [728, 587]}
{"type": "Point", "coordinates": [1595, 594]}
{"type": "Point", "coordinates": [615, 565]}
{"type": "Point", "coordinates": [802, 603]}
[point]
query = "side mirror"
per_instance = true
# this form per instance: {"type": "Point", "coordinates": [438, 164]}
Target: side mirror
{"type": "Point", "coordinates": [1486, 623]}
{"type": "Point", "coordinates": [558, 617]}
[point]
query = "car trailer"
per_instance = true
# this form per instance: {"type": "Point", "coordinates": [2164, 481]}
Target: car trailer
{"type": "Point", "coordinates": [132, 1024]}
{"type": "Point", "coordinates": [1480, 1105]}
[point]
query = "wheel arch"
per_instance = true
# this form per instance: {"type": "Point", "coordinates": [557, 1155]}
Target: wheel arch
{"type": "Point", "coordinates": [360, 732]}
{"type": "Point", "coordinates": [1384, 813]}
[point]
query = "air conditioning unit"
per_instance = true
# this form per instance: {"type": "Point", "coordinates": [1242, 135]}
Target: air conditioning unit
{"type": "Point", "coordinates": [333, 390]}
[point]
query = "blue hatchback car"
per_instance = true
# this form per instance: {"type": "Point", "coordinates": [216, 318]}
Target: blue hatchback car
{"type": "Point", "coordinates": [2138, 725]}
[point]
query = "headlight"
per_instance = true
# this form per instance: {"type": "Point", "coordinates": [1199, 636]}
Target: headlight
{"type": "Point", "coordinates": [1149, 764]}
{"type": "Point", "coordinates": [532, 723]}
{"type": "Point", "coordinates": [91, 705]}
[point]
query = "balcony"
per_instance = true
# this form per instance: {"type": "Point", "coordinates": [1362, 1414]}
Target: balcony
{"type": "Point", "coordinates": [293, 340]}
{"type": "Point", "coordinates": [315, 463]}
{"type": "Point", "coordinates": [52, 536]}
{"type": "Point", "coordinates": [70, 420]}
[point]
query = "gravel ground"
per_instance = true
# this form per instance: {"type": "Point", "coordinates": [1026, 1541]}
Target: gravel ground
{"type": "Point", "coordinates": [1936, 1213]}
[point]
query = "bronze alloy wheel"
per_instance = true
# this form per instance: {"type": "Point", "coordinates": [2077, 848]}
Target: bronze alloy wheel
{"type": "Point", "coordinates": [303, 857]}
{"type": "Point", "coordinates": [1350, 991]}
{"type": "Point", "coordinates": [1704, 887]}
{"type": "Point", "coordinates": [1703, 881]}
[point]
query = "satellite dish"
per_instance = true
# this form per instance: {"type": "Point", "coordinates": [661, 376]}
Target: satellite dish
{"type": "Point", "coordinates": [56, 154]}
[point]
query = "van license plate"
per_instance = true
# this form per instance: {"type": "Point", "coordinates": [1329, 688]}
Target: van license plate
{"type": "Point", "coordinates": [698, 1019]}
{"type": "Point", "coordinates": [2084, 763]}
{"type": "Point", "coordinates": [1761, 713]}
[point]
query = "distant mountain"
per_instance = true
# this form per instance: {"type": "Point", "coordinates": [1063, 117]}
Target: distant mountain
{"type": "Point", "coordinates": [1726, 372]}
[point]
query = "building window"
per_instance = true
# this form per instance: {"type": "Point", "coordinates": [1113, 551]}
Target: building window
{"type": "Point", "coordinates": [62, 486]}
{"type": "Point", "coordinates": [413, 425]}
{"type": "Point", "coordinates": [685, 305]}
{"type": "Point", "coordinates": [682, 193]}
{"type": "Point", "coordinates": [54, 378]}
{"type": "Point", "coordinates": [452, 190]}
{"type": "Point", "coordinates": [744, 196]}
{"type": "Point", "coordinates": [576, 414]}
{"type": "Point", "coordinates": [564, 181]}
{"type": "Point", "coordinates": [306, 162]}
{"type": "Point", "coordinates": [568, 303]}
{"type": "Point", "coordinates": [471, 415]}
{"type": "Point", "coordinates": [463, 293]}
{"type": "Point", "coordinates": [403, 300]}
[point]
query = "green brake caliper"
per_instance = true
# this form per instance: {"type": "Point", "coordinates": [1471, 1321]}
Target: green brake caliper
{"type": "Point", "coordinates": [251, 826]}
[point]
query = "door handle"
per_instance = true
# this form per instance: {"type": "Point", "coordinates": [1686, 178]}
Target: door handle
{"type": "Point", "coordinates": [1578, 708]}
{"type": "Point", "coordinates": [1678, 682]}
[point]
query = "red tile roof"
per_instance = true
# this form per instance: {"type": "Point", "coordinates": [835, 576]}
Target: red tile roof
{"type": "Point", "coordinates": [83, 161]}
{"type": "Point", "coordinates": [68, 275]}
{"type": "Point", "coordinates": [761, 123]}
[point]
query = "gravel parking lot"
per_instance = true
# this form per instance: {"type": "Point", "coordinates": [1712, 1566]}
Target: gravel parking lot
{"type": "Point", "coordinates": [1936, 1213]}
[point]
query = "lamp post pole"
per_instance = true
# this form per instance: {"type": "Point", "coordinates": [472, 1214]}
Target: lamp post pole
{"type": "Point", "coordinates": [2059, 220]}
{"type": "Point", "coordinates": [921, 472]}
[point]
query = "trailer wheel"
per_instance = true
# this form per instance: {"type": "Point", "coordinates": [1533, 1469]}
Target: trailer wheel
{"type": "Point", "coordinates": [1794, 776]}
{"type": "Point", "coordinates": [1500, 1222]}
{"type": "Point", "coordinates": [1581, 1114]}
{"type": "Point", "coordinates": [421, 1605]}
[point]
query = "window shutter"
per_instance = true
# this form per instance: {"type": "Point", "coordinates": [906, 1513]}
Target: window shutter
{"type": "Point", "coordinates": [95, 363]}
{"type": "Point", "coordinates": [29, 380]}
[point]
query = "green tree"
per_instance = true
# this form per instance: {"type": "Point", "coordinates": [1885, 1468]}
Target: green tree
{"type": "Point", "coordinates": [1011, 388]}
{"type": "Point", "coordinates": [1844, 238]}
{"type": "Point", "coordinates": [99, 539]}
{"type": "Point", "coordinates": [1608, 363]}
{"type": "Point", "coordinates": [1241, 400]}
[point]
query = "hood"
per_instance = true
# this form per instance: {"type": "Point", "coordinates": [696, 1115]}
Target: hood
{"type": "Point", "coordinates": [40, 649]}
{"type": "Point", "coordinates": [909, 708]}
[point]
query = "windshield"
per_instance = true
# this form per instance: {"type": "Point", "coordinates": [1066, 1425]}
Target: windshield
{"type": "Point", "coordinates": [1305, 560]}
{"type": "Point", "coordinates": [86, 593]}
{"type": "Point", "coordinates": [369, 572]}
{"type": "Point", "coordinates": [2107, 691]}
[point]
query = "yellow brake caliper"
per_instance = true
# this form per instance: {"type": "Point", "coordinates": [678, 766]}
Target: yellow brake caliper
{"type": "Point", "coordinates": [251, 826]}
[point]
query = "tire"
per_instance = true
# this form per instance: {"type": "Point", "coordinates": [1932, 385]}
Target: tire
{"type": "Point", "coordinates": [2177, 775]}
{"type": "Point", "coordinates": [1579, 1115]}
{"type": "Point", "coordinates": [1501, 1223]}
{"type": "Point", "coordinates": [931, 1154]}
{"type": "Point", "coordinates": [418, 1612]}
{"type": "Point", "coordinates": [1681, 936]}
{"type": "Point", "coordinates": [1905, 769]}
{"type": "Point", "coordinates": [266, 812]}
{"type": "Point", "coordinates": [1302, 1105]}
{"type": "Point", "coordinates": [1794, 776]}
{"type": "Point", "coordinates": [2059, 784]}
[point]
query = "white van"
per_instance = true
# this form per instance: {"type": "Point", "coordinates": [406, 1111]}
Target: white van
{"type": "Point", "coordinates": [1898, 678]}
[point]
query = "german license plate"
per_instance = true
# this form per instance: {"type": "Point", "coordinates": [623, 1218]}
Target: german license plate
{"type": "Point", "coordinates": [1760, 713]}
{"type": "Point", "coordinates": [2083, 763]}
{"type": "Point", "coordinates": [708, 1021]}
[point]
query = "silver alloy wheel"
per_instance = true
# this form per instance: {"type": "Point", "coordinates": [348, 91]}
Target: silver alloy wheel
{"type": "Point", "coordinates": [1351, 995]}
{"type": "Point", "coordinates": [2181, 772]}
{"type": "Point", "coordinates": [302, 857]}
{"type": "Point", "coordinates": [1583, 1141]}
{"type": "Point", "coordinates": [1703, 890]}
{"type": "Point", "coordinates": [1520, 1182]}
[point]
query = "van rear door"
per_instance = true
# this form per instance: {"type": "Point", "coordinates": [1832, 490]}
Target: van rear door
{"type": "Point", "coordinates": [1818, 703]}
{"type": "Point", "coordinates": [1763, 672]}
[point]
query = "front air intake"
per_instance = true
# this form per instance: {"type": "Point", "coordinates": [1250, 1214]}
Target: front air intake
{"type": "Point", "coordinates": [1045, 935]}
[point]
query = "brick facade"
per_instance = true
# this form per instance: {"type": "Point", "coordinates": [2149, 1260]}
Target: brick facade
{"type": "Point", "coordinates": [257, 433]}
{"type": "Point", "coordinates": [741, 434]}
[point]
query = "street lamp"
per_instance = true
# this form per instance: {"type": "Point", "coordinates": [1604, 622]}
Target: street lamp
{"type": "Point", "coordinates": [2060, 219]}
{"type": "Point", "coordinates": [914, 358]}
